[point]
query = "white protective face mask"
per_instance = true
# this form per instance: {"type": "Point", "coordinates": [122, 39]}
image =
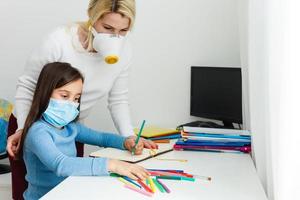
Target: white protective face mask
{"type": "Point", "coordinates": [108, 45]}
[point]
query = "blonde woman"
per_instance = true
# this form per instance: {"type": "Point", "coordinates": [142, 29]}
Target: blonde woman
{"type": "Point", "coordinates": [99, 49]}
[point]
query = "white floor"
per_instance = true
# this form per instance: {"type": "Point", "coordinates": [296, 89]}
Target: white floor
{"type": "Point", "coordinates": [5, 184]}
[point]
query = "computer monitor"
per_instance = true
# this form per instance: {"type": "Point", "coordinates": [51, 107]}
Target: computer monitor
{"type": "Point", "coordinates": [216, 93]}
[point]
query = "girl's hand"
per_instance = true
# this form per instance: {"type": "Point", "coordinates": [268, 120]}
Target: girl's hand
{"type": "Point", "coordinates": [130, 142]}
{"type": "Point", "coordinates": [132, 171]}
{"type": "Point", "coordinates": [149, 144]}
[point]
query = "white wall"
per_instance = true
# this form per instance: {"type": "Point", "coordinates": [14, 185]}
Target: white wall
{"type": "Point", "coordinates": [243, 16]}
{"type": "Point", "coordinates": [273, 60]}
{"type": "Point", "coordinates": [169, 36]}
{"type": "Point", "coordinates": [23, 24]}
{"type": "Point", "coordinates": [253, 54]}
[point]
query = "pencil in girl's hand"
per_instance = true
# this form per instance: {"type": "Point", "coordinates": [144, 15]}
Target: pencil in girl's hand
{"type": "Point", "coordinates": [138, 137]}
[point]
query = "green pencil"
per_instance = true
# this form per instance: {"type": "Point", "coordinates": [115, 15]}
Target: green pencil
{"type": "Point", "coordinates": [138, 137]}
{"type": "Point", "coordinates": [169, 177]}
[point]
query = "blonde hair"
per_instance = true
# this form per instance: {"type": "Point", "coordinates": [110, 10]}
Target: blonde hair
{"type": "Point", "coordinates": [98, 8]}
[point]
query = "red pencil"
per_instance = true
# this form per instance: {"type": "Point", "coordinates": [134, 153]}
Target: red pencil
{"type": "Point", "coordinates": [144, 186]}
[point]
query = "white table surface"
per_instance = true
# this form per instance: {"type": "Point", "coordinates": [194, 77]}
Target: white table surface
{"type": "Point", "coordinates": [233, 178]}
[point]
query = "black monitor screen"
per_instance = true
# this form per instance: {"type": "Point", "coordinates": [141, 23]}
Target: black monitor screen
{"type": "Point", "coordinates": [216, 93]}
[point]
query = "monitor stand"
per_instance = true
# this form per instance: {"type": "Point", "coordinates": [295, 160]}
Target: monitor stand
{"type": "Point", "coordinates": [228, 124]}
{"type": "Point", "coordinates": [208, 124]}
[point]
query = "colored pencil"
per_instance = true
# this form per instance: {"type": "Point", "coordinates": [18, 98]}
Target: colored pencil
{"type": "Point", "coordinates": [166, 170]}
{"type": "Point", "coordinates": [162, 141]}
{"type": "Point", "coordinates": [203, 177]}
{"type": "Point", "coordinates": [176, 178]}
{"type": "Point", "coordinates": [138, 137]}
{"type": "Point", "coordinates": [126, 182]}
{"type": "Point", "coordinates": [169, 177]}
{"type": "Point", "coordinates": [159, 186]}
{"type": "Point", "coordinates": [172, 159]}
{"type": "Point", "coordinates": [164, 186]}
{"type": "Point", "coordinates": [187, 179]}
{"type": "Point", "coordinates": [161, 173]}
{"type": "Point", "coordinates": [139, 190]}
{"type": "Point", "coordinates": [147, 182]}
{"type": "Point", "coordinates": [144, 186]}
{"type": "Point", "coordinates": [131, 181]}
{"type": "Point", "coordinates": [152, 186]}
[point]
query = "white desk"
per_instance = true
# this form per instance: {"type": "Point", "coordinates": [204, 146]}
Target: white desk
{"type": "Point", "coordinates": [233, 178]}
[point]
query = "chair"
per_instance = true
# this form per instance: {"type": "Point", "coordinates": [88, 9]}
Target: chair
{"type": "Point", "coordinates": [5, 112]}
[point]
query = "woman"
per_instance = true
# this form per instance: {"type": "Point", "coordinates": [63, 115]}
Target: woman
{"type": "Point", "coordinates": [87, 47]}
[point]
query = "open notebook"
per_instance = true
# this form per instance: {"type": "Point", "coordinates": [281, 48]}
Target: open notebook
{"type": "Point", "coordinates": [126, 155]}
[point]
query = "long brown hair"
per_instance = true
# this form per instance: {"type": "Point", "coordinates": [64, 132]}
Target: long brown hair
{"type": "Point", "coordinates": [53, 75]}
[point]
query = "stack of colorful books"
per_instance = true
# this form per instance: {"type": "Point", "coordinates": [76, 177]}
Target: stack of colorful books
{"type": "Point", "coordinates": [214, 140]}
{"type": "Point", "coordinates": [156, 133]}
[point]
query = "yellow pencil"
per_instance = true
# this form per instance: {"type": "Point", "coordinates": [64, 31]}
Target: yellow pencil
{"type": "Point", "coordinates": [152, 186]}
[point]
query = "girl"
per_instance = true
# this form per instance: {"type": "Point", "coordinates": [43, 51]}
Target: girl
{"type": "Point", "coordinates": [50, 132]}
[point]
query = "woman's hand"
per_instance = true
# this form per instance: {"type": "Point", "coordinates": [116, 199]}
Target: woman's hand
{"type": "Point", "coordinates": [132, 171]}
{"type": "Point", "coordinates": [130, 142]}
{"type": "Point", "coordinates": [13, 143]}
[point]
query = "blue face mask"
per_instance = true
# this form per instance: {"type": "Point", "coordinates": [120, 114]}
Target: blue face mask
{"type": "Point", "coordinates": [59, 113]}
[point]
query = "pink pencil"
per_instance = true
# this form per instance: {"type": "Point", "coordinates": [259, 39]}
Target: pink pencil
{"type": "Point", "coordinates": [164, 186]}
{"type": "Point", "coordinates": [139, 190]}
